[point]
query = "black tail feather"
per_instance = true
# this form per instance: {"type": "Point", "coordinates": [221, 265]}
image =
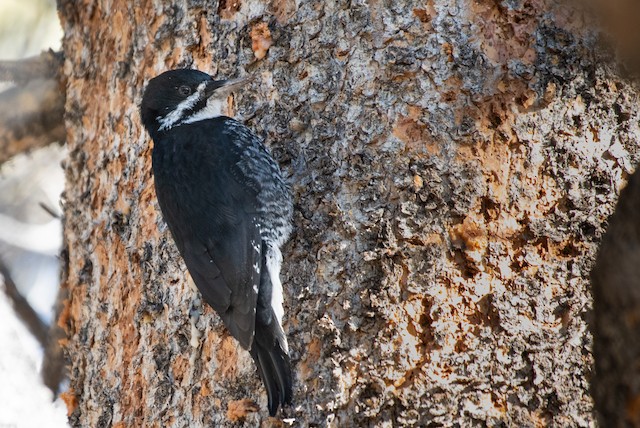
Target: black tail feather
{"type": "Point", "coordinates": [273, 365]}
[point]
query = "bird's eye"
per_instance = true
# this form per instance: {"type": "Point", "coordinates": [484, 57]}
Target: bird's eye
{"type": "Point", "coordinates": [184, 90]}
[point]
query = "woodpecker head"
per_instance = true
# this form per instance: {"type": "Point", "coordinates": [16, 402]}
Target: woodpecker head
{"type": "Point", "coordinates": [184, 96]}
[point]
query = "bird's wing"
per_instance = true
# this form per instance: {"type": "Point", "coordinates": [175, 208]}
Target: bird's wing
{"type": "Point", "coordinates": [226, 270]}
{"type": "Point", "coordinates": [209, 206]}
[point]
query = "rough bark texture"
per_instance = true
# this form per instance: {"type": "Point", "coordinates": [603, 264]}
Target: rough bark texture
{"type": "Point", "coordinates": [453, 164]}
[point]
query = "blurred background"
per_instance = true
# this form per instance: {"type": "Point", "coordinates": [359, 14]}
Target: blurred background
{"type": "Point", "coordinates": [30, 240]}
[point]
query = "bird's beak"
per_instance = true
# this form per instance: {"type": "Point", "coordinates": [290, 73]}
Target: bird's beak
{"type": "Point", "coordinates": [225, 87]}
{"type": "Point", "coordinates": [239, 82]}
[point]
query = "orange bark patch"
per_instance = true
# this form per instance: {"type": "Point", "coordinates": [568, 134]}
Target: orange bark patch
{"type": "Point", "coordinates": [70, 399]}
{"type": "Point", "coordinates": [228, 8]}
{"type": "Point", "coordinates": [260, 40]}
{"type": "Point", "coordinates": [174, 56]}
{"type": "Point", "coordinates": [414, 134]}
{"type": "Point", "coordinates": [471, 233]}
{"type": "Point", "coordinates": [283, 10]}
{"type": "Point", "coordinates": [227, 356]}
{"type": "Point", "coordinates": [148, 213]}
{"type": "Point", "coordinates": [180, 367]}
{"type": "Point", "coordinates": [426, 13]}
{"type": "Point", "coordinates": [447, 49]}
{"type": "Point", "coordinates": [123, 42]}
{"type": "Point", "coordinates": [74, 306]}
{"type": "Point", "coordinates": [471, 237]}
{"type": "Point", "coordinates": [63, 319]}
{"type": "Point", "coordinates": [313, 355]}
{"type": "Point", "coordinates": [205, 390]}
{"type": "Point", "coordinates": [204, 33]}
{"type": "Point", "coordinates": [422, 15]}
{"type": "Point", "coordinates": [497, 159]}
{"type": "Point", "coordinates": [237, 410]}
{"type": "Point", "coordinates": [418, 183]}
{"type": "Point", "coordinates": [503, 37]}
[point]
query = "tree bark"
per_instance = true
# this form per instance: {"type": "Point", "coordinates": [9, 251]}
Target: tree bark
{"type": "Point", "coordinates": [453, 165]}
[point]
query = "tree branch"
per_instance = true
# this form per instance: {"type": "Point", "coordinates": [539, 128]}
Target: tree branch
{"type": "Point", "coordinates": [23, 309]}
{"type": "Point", "coordinates": [53, 363]}
{"type": "Point", "coordinates": [30, 117]}
{"type": "Point", "coordinates": [44, 66]}
{"type": "Point", "coordinates": [45, 238]}
{"type": "Point", "coordinates": [31, 113]}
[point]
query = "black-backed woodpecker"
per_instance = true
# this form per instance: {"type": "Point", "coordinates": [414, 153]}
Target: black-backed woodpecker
{"type": "Point", "coordinates": [229, 211]}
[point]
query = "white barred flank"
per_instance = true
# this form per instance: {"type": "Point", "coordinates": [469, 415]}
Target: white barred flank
{"type": "Point", "coordinates": [275, 208]}
{"type": "Point", "coordinates": [274, 261]}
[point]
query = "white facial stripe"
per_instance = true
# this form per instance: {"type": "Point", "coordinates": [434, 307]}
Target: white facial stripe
{"type": "Point", "coordinates": [174, 117]}
{"type": "Point", "coordinates": [212, 109]}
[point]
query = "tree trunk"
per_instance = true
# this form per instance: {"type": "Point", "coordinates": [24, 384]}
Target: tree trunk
{"type": "Point", "coordinates": [453, 164]}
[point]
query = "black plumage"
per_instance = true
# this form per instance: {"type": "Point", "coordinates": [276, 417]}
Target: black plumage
{"type": "Point", "coordinates": [229, 211]}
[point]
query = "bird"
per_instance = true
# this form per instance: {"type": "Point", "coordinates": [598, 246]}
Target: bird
{"type": "Point", "coordinates": [229, 211]}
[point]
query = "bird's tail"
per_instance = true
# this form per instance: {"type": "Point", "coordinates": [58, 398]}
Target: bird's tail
{"type": "Point", "coordinates": [269, 351]}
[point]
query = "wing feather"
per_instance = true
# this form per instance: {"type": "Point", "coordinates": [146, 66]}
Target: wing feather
{"type": "Point", "coordinates": [210, 212]}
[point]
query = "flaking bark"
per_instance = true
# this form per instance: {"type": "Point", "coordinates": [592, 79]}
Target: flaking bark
{"type": "Point", "coordinates": [453, 164]}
